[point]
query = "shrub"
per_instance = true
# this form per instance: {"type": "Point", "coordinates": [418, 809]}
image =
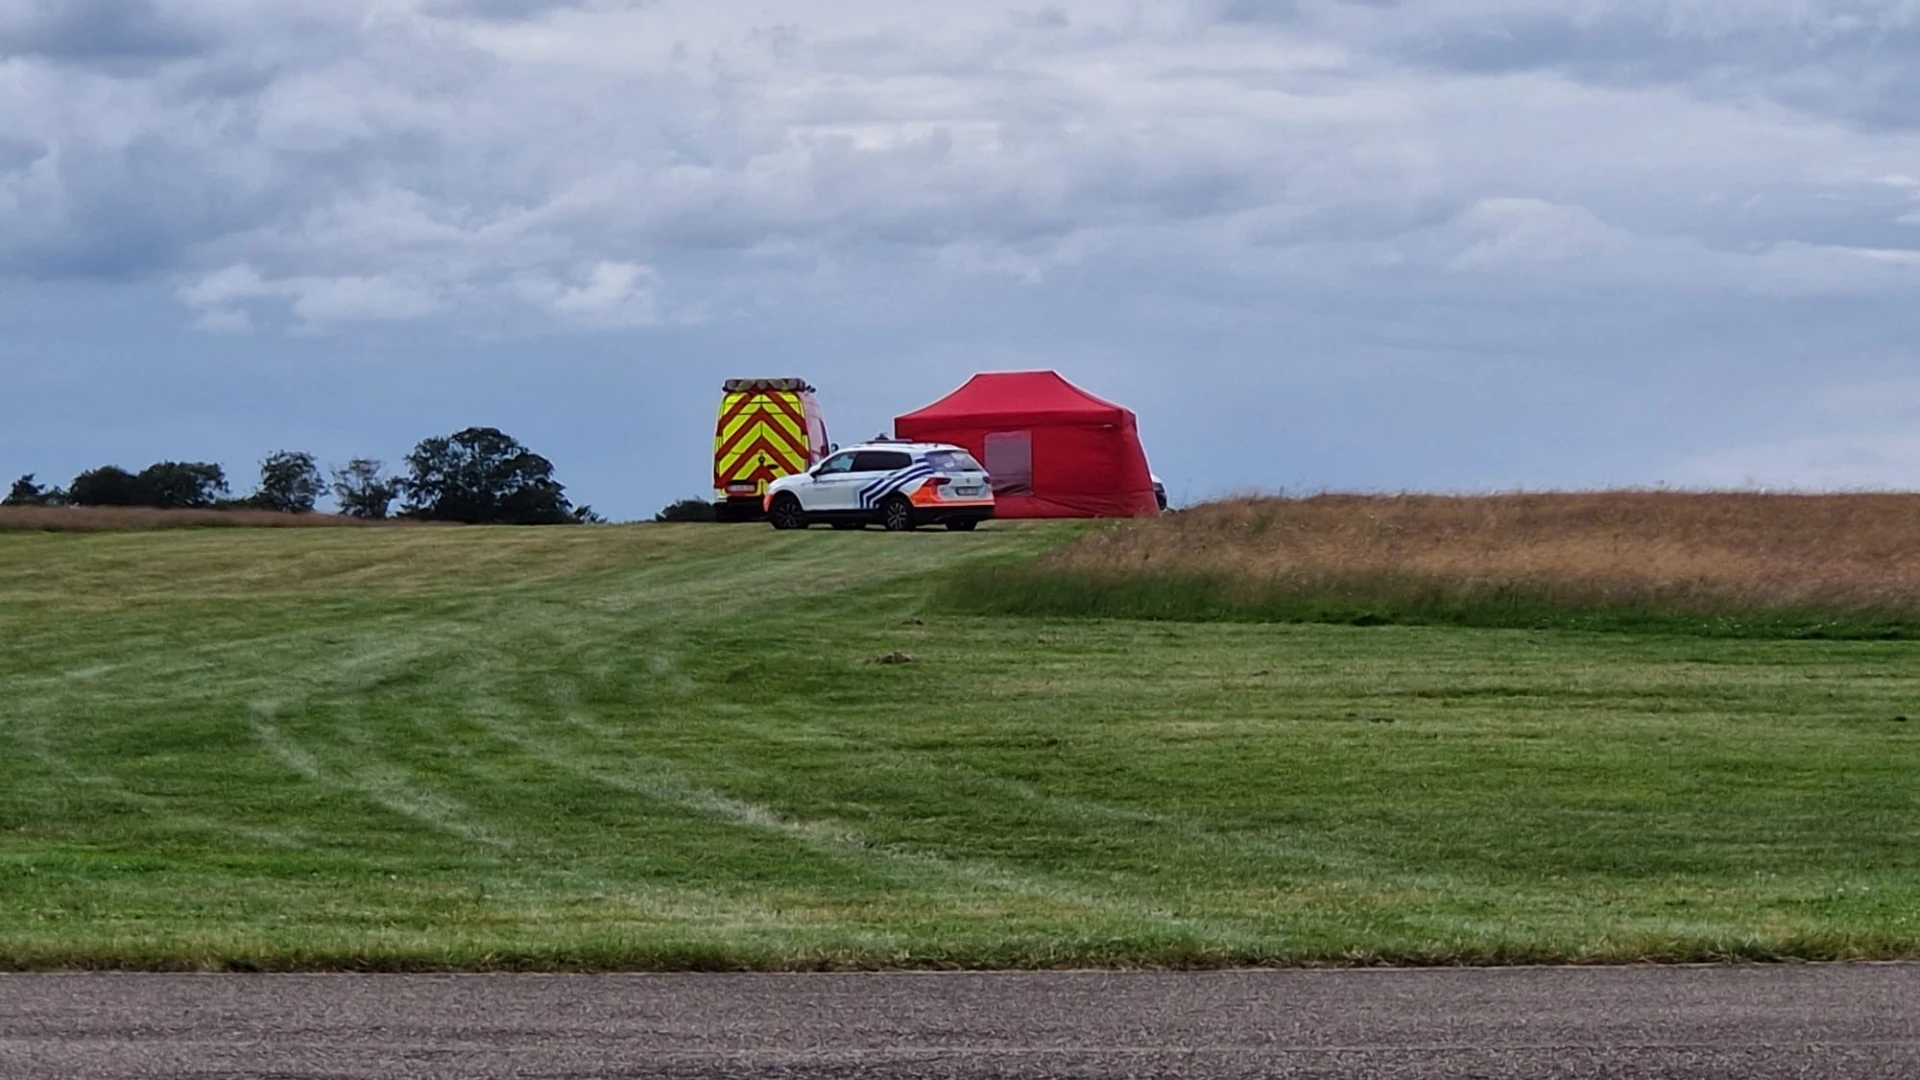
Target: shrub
{"type": "Point", "coordinates": [686, 510]}
{"type": "Point", "coordinates": [108, 485]}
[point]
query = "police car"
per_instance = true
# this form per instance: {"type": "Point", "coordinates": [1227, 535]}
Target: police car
{"type": "Point", "coordinates": [900, 485]}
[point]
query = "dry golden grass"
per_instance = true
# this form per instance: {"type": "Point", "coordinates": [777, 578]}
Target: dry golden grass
{"type": "Point", "coordinates": [1682, 551]}
{"type": "Point", "coordinates": [140, 518]}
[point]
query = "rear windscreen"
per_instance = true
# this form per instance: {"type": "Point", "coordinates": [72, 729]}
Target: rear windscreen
{"type": "Point", "coordinates": [953, 461]}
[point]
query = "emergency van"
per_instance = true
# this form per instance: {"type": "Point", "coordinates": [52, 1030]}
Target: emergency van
{"type": "Point", "coordinates": [769, 428]}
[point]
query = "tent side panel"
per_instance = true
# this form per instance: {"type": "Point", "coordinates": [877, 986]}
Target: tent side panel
{"type": "Point", "coordinates": [1090, 471]}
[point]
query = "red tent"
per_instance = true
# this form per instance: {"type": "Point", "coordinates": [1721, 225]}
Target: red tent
{"type": "Point", "coordinates": [1053, 449]}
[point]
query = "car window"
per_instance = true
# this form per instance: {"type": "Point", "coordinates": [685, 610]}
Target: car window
{"type": "Point", "coordinates": [881, 460]}
{"type": "Point", "coordinates": [953, 461]}
{"type": "Point", "coordinates": [838, 463]}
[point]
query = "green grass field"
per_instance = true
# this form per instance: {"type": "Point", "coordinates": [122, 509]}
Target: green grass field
{"type": "Point", "coordinates": [666, 747]}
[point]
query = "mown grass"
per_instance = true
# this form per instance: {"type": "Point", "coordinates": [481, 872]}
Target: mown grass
{"type": "Point", "coordinates": [666, 747]}
{"type": "Point", "coordinates": [1718, 564]}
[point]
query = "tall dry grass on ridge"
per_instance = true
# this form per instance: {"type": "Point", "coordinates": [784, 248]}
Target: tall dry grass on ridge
{"type": "Point", "coordinates": [1703, 553]}
{"type": "Point", "coordinates": [140, 519]}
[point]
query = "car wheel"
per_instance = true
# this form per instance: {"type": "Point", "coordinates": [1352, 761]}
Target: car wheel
{"type": "Point", "coordinates": [785, 513]}
{"type": "Point", "coordinates": [897, 515]}
{"type": "Point", "coordinates": [962, 524]}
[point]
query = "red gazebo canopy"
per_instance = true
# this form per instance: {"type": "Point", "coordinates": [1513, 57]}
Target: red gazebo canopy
{"type": "Point", "coordinates": [1054, 450]}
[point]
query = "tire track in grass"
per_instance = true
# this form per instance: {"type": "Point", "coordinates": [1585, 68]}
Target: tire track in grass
{"type": "Point", "coordinates": [532, 871]}
{"type": "Point", "coordinates": [30, 729]}
{"type": "Point", "coordinates": [458, 653]}
{"type": "Point", "coordinates": [363, 668]}
{"type": "Point", "coordinates": [1369, 872]}
{"type": "Point", "coordinates": [662, 782]}
{"type": "Point", "coordinates": [386, 786]}
{"type": "Point", "coordinates": [404, 792]}
{"type": "Point", "coordinates": [659, 780]}
{"type": "Point", "coordinates": [1095, 812]}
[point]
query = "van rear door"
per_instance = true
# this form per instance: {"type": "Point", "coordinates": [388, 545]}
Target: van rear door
{"type": "Point", "coordinates": [767, 429]}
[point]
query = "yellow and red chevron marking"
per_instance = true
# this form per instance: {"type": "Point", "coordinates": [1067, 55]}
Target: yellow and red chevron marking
{"type": "Point", "coordinates": [738, 409]}
{"type": "Point", "coordinates": [760, 437]}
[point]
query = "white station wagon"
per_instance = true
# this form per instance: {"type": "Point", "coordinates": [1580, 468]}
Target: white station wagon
{"type": "Point", "coordinates": [900, 485]}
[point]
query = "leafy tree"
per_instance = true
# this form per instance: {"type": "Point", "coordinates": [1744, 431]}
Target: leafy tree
{"type": "Point", "coordinates": [108, 485]}
{"type": "Point", "coordinates": [27, 493]}
{"type": "Point", "coordinates": [587, 515]}
{"type": "Point", "coordinates": [362, 491]}
{"type": "Point", "coordinates": [182, 485]}
{"type": "Point", "coordinates": [686, 510]}
{"type": "Point", "coordinates": [290, 482]}
{"type": "Point", "coordinates": [483, 476]}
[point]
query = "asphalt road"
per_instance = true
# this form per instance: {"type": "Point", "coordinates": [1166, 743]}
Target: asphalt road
{"type": "Point", "coordinates": [1749, 1022]}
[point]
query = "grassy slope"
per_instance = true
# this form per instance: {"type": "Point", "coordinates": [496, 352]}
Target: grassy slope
{"type": "Point", "coordinates": [663, 746]}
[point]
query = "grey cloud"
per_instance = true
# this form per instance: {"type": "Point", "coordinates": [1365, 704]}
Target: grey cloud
{"type": "Point", "coordinates": [17, 153]}
{"type": "Point", "coordinates": [1046, 18]}
{"type": "Point", "coordinates": [124, 213]}
{"type": "Point", "coordinates": [1856, 218]}
{"type": "Point", "coordinates": [122, 33]}
{"type": "Point", "coordinates": [355, 159]}
{"type": "Point", "coordinates": [1873, 81]}
{"type": "Point", "coordinates": [1253, 11]}
{"type": "Point", "coordinates": [1629, 44]}
{"type": "Point", "coordinates": [1356, 222]}
{"type": "Point", "coordinates": [1858, 60]}
{"type": "Point", "coordinates": [502, 10]}
{"type": "Point", "coordinates": [930, 194]}
{"type": "Point", "coordinates": [1430, 222]}
{"type": "Point", "coordinates": [227, 80]}
{"type": "Point", "coordinates": [1281, 11]}
{"type": "Point", "coordinates": [1835, 62]}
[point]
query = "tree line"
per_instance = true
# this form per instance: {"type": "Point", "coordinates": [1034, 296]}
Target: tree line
{"type": "Point", "coordinates": [480, 476]}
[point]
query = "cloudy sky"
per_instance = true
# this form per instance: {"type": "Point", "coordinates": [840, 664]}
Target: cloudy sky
{"type": "Point", "coordinates": [1349, 244]}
